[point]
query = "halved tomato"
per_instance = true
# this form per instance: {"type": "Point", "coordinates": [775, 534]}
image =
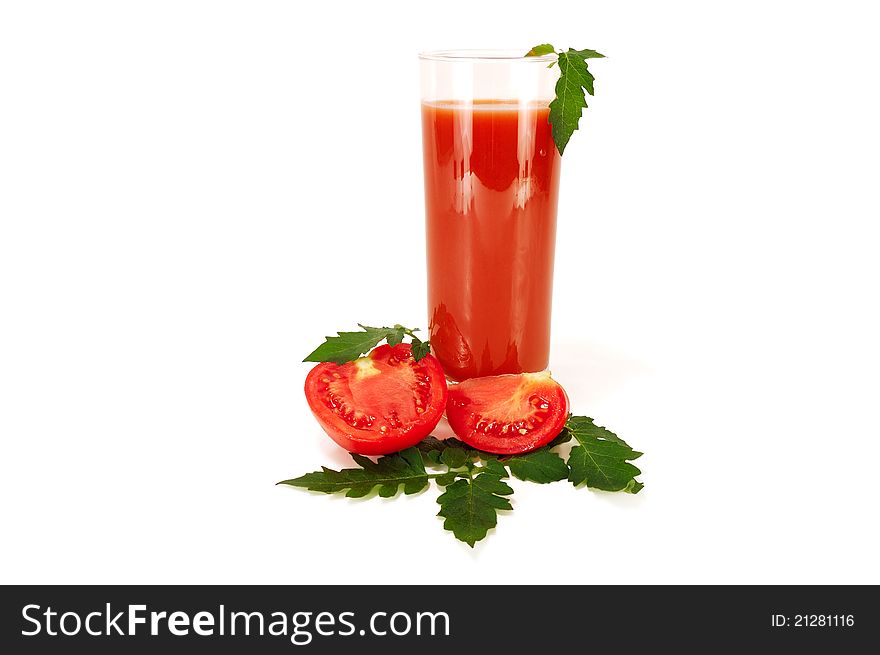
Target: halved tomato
{"type": "Point", "coordinates": [380, 403]}
{"type": "Point", "coordinates": [507, 414]}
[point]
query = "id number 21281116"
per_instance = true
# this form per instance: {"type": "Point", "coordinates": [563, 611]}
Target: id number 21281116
{"type": "Point", "coordinates": [813, 620]}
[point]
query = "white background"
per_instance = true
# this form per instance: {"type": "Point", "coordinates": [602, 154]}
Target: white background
{"type": "Point", "coordinates": [193, 193]}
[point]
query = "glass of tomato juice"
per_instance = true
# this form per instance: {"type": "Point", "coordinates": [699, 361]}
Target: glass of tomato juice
{"type": "Point", "coordinates": [491, 188]}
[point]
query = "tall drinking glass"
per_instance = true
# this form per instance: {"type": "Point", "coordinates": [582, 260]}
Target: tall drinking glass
{"type": "Point", "coordinates": [491, 188]}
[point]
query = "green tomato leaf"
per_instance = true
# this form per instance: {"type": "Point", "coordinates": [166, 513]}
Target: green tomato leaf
{"type": "Point", "coordinates": [541, 466]}
{"type": "Point", "coordinates": [566, 108]}
{"type": "Point", "coordinates": [470, 507]}
{"type": "Point", "coordinates": [575, 81]}
{"type": "Point", "coordinates": [348, 346]}
{"type": "Point", "coordinates": [405, 468]}
{"type": "Point", "coordinates": [601, 458]}
{"type": "Point", "coordinates": [420, 348]}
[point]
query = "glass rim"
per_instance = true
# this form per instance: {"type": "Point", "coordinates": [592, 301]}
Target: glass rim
{"type": "Point", "coordinates": [485, 55]}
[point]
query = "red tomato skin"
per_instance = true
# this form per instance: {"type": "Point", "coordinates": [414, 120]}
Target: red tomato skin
{"type": "Point", "coordinates": [512, 392]}
{"type": "Point", "coordinates": [368, 440]}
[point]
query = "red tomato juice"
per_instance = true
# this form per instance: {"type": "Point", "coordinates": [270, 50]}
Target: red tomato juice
{"type": "Point", "coordinates": [491, 188]}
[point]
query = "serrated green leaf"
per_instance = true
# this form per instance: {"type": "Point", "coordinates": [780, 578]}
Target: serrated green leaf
{"type": "Point", "coordinates": [541, 50]}
{"type": "Point", "coordinates": [575, 80]}
{"type": "Point", "coordinates": [566, 107]}
{"type": "Point", "coordinates": [348, 346]}
{"type": "Point", "coordinates": [454, 457]}
{"type": "Point", "coordinates": [420, 348]}
{"type": "Point", "coordinates": [541, 466]}
{"type": "Point", "coordinates": [601, 458]}
{"type": "Point", "coordinates": [405, 468]}
{"type": "Point", "coordinates": [470, 507]}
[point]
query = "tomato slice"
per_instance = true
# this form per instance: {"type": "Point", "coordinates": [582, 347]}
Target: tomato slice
{"type": "Point", "coordinates": [507, 414]}
{"type": "Point", "coordinates": [380, 403]}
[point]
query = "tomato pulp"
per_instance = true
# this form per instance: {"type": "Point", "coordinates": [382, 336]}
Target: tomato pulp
{"type": "Point", "coordinates": [491, 187]}
{"type": "Point", "coordinates": [508, 414]}
{"type": "Point", "coordinates": [380, 403]}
